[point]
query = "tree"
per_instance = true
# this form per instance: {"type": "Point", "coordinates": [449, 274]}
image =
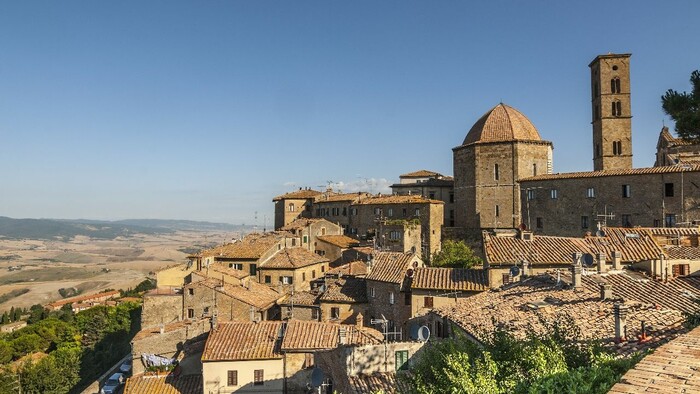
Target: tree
{"type": "Point", "coordinates": [455, 254]}
{"type": "Point", "coordinates": [684, 108]}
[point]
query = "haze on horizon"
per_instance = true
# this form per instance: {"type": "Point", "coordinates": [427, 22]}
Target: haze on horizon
{"type": "Point", "coordinates": [184, 110]}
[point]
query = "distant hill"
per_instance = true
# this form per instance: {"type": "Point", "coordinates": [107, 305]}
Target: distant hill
{"type": "Point", "coordinates": [66, 229]}
{"type": "Point", "coordinates": [189, 225]}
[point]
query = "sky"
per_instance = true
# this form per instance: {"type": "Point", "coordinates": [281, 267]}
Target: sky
{"type": "Point", "coordinates": [208, 110]}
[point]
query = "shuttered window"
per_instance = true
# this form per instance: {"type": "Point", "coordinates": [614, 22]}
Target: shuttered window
{"type": "Point", "coordinates": [258, 377]}
{"type": "Point", "coordinates": [401, 358]}
{"type": "Point", "coordinates": [232, 378]}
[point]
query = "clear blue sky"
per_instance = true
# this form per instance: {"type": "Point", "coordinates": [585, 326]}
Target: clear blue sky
{"type": "Point", "coordinates": [207, 110]}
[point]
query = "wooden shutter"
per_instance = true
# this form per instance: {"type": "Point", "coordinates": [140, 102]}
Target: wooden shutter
{"type": "Point", "coordinates": [427, 302]}
{"type": "Point", "coordinates": [232, 378]}
{"type": "Point", "coordinates": [258, 377]}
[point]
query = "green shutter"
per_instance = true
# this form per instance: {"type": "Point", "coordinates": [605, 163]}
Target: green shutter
{"type": "Point", "coordinates": [401, 359]}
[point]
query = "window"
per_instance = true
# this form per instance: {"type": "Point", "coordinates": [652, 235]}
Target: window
{"type": "Point", "coordinates": [657, 223]}
{"type": "Point", "coordinates": [617, 148]}
{"type": "Point", "coordinates": [190, 313]}
{"type": "Point", "coordinates": [539, 223]}
{"type": "Point", "coordinates": [668, 189]}
{"type": "Point", "coordinates": [390, 212]}
{"type": "Point", "coordinates": [497, 211]}
{"type": "Point", "coordinates": [495, 172]}
{"type": "Point", "coordinates": [308, 360]}
{"type": "Point", "coordinates": [427, 302]}
{"type": "Point", "coordinates": [268, 279]}
{"type": "Point", "coordinates": [615, 85]}
{"type": "Point", "coordinates": [626, 222]}
{"type": "Point", "coordinates": [236, 266]}
{"type": "Point", "coordinates": [407, 298]}
{"type": "Point", "coordinates": [353, 211]}
{"type": "Point", "coordinates": [391, 298]}
{"type": "Point", "coordinates": [314, 313]}
{"type": "Point", "coordinates": [584, 221]}
{"type": "Point", "coordinates": [353, 230]}
{"type": "Point", "coordinates": [417, 212]}
{"type": "Point", "coordinates": [253, 269]}
{"type": "Point", "coordinates": [378, 211]}
{"type": "Point", "coordinates": [371, 292]}
{"type": "Point", "coordinates": [232, 378]}
{"type": "Point", "coordinates": [452, 197]}
{"type": "Point", "coordinates": [291, 207]}
{"type": "Point", "coordinates": [395, 235]}
{"type": "Point", "coordinates": [323, 231]}
{"type": "Point", "coordinates": [401, 358]}
{"type": "Point", "coordinates": [403, 212]}
{"type": "Point", "coordinates": [670, 219]}
{"type": "Point", "coordinates": [534, 169]}
{"type": "Point", "coordinates": [258, 377]}
{"type": "Point", "coordinates": [335, 313]}
{"type": "Point", "coordinates": [286, 280]}
{"type": "Point", "coordinates": [294, 242]}
{"type": "Point", "coordinates": [345, 212]}
{"type": "Point", "coordinates": [590, 192]}
{"type": "Point", "coordinates": [190, 291]}
{"type": "Point", "coordinates": [681, 269]}
{"type": "Point", "coordinates": [616, 108]}
{"type": "Point", "coordinates": [530, 194]}
{"type": "Point", "coordinates": [626, 191]}
{"type": "Point", "coordinates": [323, 268]}
{"type": "Point", "coordinates": [554, 194]}
{"type": "Point", "coordinates": [507, 279]}
{"type": "Point", "coordinates": [305, 239]}
{"type": "Point", "coordinates": [313, 274]}
{"type": "Point", "coordinates": [303, 276]}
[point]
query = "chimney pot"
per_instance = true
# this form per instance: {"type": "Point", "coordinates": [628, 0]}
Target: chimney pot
{"type": "Point", "coordinates": [577, 280]}
{"type": "Point", "coordinates": [620, 312]}
{"type": "Point", "coordinates": [617, 260]}
{"type": "Point", "coordinates": [605, 291]}
{"type": "Point", "coordinates": [601, 263]}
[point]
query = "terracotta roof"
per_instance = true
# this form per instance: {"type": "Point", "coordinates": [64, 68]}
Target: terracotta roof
{"type": "Point", "coordinates": [340, 197]}
{"type": "Point", "coordinates": [87, 297]}
{"type": "Point", "coordinates": [434, 278]}
{"type": "Point", "coordinates": [354, 268]}
{"type": "Point", "coordinates": [397, 199]}
{"type": "Point", "coordinates": [674, 141]}
{"type": "Point", "coordinates": [235, 341]}
{"type": "Point", "coordinates": [298, 195]}
{"type": "Point", "coordinates": [378, 382]}
{"type": "Point", "coordinates": [170, 327]}
{"type": "Point", "coordinates": [223, 268]}
{"type": "Point", "coordinates": [256, 294]}
{"type": "Point", "coordinates": [252, 246]}
{"type": "Point", "coordinates": [305, 298]}
{"type": "Point", "coordinates": [632, 171]}
{"type": "Point", "coordinates": [391, 266]}
{"type": "Point", "coordinates": [420, 174]}
{"type": "Point", "coordinates": [292, 258]}
{"type": "Point", "coordinates": [345, 289]}
{"type": "Point", "coordinates": [502, 123]}
{"type": "Point", "coordinates": [447, 181]}
{"type": "Point", "coordinates": [311, 335]}
{"type": "Point", "coordinates": [300, 223]}
{"type": "Point", "coordinates": [672, 368]}
{"type": "Point", "coordinates": [524, 308]}
{"type": "Point", "coordinates": [544, 249]}
{"type": "Point", "coordinates": [682, 252]}
{"type": "Point", "coordinates": [341, 241]}
{"type": "Point", "coordinates": [160, 384]}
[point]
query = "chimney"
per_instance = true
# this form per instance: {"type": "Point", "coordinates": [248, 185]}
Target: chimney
{"type": "Point", "coordinates": [606, 291]}
{"type": "Point", "coordinates": [600, 256]}
{"type": "Point", "coordinates": [620, 312]}
{"type": "Point", "coordinates": [526, 270]}
{"type": "Point", "coordinates": [360, 321]}
{"type": "Point", "coordinates": [617, 260]}
{"type": "Point", "coordinates": [342, 338]}
{"type": "Point", "coordinates": [576, 276]}
{"type": "Point", "coordinates": [576, 257]}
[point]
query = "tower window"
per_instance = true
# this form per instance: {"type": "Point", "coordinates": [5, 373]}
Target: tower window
{"type": "Point", "coordinates": [530, 194]}
{"type": "Point", "coordinates": [590, 192]}
{"type": "Point", "coordinates": [497, 211]}
{"type": "Point", "coordinates": [615, 85]}
{"type": "Point", "coordinates": [554, 193]}
{"type": "Point", "coordinates": [617, 148]}
{"type": "Point", "coordinates": [534, 169]}
{"type": "Point", "coordinates": [495, 172]}
{"type": "Point", "coordinates": [626, 191]}
{"type": "Point", "coordinates": [584, 221]}
{"type": "Point", "coordinates": [616, 108]}
{"type": "Point", "coordinates": [614, 68]}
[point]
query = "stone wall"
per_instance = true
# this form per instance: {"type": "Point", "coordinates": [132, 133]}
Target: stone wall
{"type": "Point", "coordinates": [171, 343]}
{"type": "Point", "coordinates": [160, 309]}
{"type": "Point", "coordinates": [398, 312]}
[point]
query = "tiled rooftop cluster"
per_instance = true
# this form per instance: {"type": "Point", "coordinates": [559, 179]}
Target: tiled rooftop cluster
{"type": "Point", "coordinates": [159, 384]}
{"type": "Point", "coordinates": [455, 279]}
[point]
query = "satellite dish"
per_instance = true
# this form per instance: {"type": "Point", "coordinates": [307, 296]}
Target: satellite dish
{"type": "Point", "coordinates": [317, 377]}
{"type": "Point", "coordinates": [514, 270]}
{"type": "Point", "coordinates": [600, 233]}
{"type": "Point", "coordinates": [423, 333]}
{"type": "Point", "coordinates": [409, 273]}
{"type": "Point", "coordinates": [588, 260]}
{"type": "Point", "coordinates": [522, 227]}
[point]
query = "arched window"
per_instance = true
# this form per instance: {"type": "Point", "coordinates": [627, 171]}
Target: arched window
{"type": "Point", "coordinates": [615, 85]}
{"type": "Point", "coordinates": [291, 207]}
{"type": "Point", "coordinates": [534, 169]}
{"type": "Point", "coordinates": [616, 108]}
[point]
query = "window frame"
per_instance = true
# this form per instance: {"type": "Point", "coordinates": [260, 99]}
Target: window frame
{"type": "Point", "coordinates": [232, 378]}
{"type": "Point", "coordinates": [258, 377]}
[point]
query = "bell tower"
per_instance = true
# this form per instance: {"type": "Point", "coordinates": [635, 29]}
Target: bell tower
{"type": "Point", "coordinates": [611, 112]}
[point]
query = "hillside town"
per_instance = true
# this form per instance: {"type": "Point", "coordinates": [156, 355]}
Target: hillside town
{"type": "Point", "coordinates": [344, 294]}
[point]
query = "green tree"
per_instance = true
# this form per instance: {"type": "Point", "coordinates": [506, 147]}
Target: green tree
{"type": "Point", "coordinates": [5, 318]}
{"type": "Point", "coordinates": [455, 254]}
{"type": "Point", "coordinates": [5, 352]}
{"type": "Point", "coordinates": [684, 108]}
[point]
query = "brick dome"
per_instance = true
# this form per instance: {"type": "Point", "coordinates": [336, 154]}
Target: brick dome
{"type": "Point", "coordinates": [502, 123]}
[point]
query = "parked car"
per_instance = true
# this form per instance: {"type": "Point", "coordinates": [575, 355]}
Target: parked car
{"type": "Point", "coordinates": [126, 366]}
{"type": "Point", "coordinates": [113, 383]}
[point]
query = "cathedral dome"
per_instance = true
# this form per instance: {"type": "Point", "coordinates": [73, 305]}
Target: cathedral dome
{"type": "Point", "coordinates": [502, 123]}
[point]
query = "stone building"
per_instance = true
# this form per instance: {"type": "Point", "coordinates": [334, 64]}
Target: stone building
{"type": "Point", "coordinates": [335, 207]}
{"type": "Point", "coordinates": [500, 149]}
{"type": "Point", "coordinates": [211, 297]}
{"type": "Point", "coordinates": [294, 205]}
{"type": "Point", "coordinates": [292, 268]}
{"type": "Point", "coordinates": [432, 185]}
{"type": "Point", "coordinates": [344, 300]}
{"type": "Point", "coordinates": [671, 150]}
{"type": "Point", "coordinates": [305, 233]}
{"type": "Point", "coordinates": [434, 287]}
{"type": "Point", "coordinates": [389, 290]}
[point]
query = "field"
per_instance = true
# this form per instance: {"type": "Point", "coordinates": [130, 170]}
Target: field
{"type": "Point", "coordinates": [89, 265]}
